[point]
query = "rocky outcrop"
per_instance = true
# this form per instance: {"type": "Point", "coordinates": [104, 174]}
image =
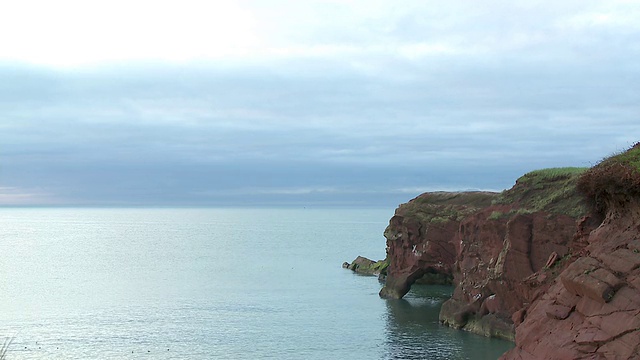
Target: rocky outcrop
{"type": "Point", "coordinates": [421, 239]}
{"type": "Point", "coordinates": [592, 309]}
{"type": "Point", "coordinates": [500, 250]}
{"type": "Point", "coordinates": [501, 267]}
{"type": "Point", "coordinates": [364, 266]}
{"type": "Point", "coordinates": [552, 263]}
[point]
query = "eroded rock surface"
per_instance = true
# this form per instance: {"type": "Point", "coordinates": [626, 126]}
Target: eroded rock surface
{"type": "Point", "coordinates": [365, 266]}
{"type": "Point", "coordinates": [552, 263]}
{"type": "Point", "coordinates": [421, 238]}
{"type": "Point", "coordinates": [592, 310]}
{"type": "Point", "coordinates": [501, 251]}
{"type": "Point", "coordinates": [501, 268]}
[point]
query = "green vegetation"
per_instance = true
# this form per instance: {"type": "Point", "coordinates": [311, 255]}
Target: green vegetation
{"type": "Point", "coordinates": [559, 265]}
{"type": "Point", "coordinates": [552, 190]}
{"type": "Point", "coordinates": [467, 198]}
{"type": "Point", "coordinates": [551, 174]}
{"type": "Point", "coordinates": [496, 215]}
{"type": "Point", "coordinates": [380, 266]}
{"type": "Point", "coordinates": [616, 175]}
{"type": "Point", "coordinates": [370, 267]}
{"type": "Point", "coordinates": [557, 191]}
{"type": "Point", "coordinates": [440, 207]}
{"type": "Point", "coordinates": [629, 158]}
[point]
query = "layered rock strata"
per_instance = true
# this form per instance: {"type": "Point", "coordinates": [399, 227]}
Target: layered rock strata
{"type": "Point", "coordinates": [552, 263]}
{"type": "Point", "coordinates": [500, 250]}
{"type": "Point", "coordinates": [592, 310]}
{"type": "Point", "coordinates": [421, 238]}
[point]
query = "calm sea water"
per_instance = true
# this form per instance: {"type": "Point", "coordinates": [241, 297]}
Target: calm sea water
{"type": "Point", "coordinates": [211, 284]}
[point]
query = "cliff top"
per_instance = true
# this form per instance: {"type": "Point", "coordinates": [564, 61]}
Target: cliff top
{"type": "Point", "coordinates": [557, 191]}
{"type": "Point", "coordinates": [552, 190]}
{"type": "Point", "coordinates": [441, 206]}
{"type": "Point", "coordinates": [629, 158]}
{"type": "Point", "coordinates": [618, 174]}
{"type": "Point", "coordinates": [470, 198]}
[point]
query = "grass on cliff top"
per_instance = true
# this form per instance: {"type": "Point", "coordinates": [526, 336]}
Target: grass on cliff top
{"type": "Point", "coordinates": [616, 174]}
{"type": "Point", "coordinates": [439, 207]}
{"type": "Point", "coordinates": [552, 190]}
{"type": "Point", "coordinates": [630, 158]}
{"type": "Point", "coordinates": [468, 198]}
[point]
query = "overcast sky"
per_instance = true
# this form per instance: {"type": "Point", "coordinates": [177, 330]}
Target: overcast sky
{"type": "Point", "coordinates": [306, 103]}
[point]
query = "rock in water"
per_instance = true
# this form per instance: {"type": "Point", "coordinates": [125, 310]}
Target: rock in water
{"type": "Point", "coordinates": [365, 266]}
{"type": "Point", "coordinates": [552, 263]}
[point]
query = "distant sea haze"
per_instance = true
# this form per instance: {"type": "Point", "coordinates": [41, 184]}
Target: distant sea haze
{"type": "Point", "coordinates": [211, 283]}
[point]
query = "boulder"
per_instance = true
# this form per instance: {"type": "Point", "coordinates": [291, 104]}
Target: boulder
{"type": "Point", "coordinates": [364, 266]}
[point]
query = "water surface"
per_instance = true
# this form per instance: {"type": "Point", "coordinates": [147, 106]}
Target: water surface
{"type": "Point", "coordinates": [210, 283]}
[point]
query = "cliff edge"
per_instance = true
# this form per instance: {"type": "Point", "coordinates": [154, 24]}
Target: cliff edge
{"type": "Point", "coordinates": [500, 250]}
{"type": "Point", "coordinates": [592, 309]}
{"type": "Point", "coordinates": [552, 263]}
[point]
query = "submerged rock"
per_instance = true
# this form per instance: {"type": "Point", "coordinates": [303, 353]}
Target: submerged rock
{"type": "Point", "coordinates": [364, 266]}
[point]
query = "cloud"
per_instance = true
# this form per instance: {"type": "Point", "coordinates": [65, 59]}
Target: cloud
{"type": "Point", "coordinates": [315, 100]}
{"type": "Point", "coordinates": [71, 33]}
{"type": "Point", "coordinates": [19, 196]}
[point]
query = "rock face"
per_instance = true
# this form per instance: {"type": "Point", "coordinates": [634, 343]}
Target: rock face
{"type": "Point", "coordinates": [500, 250]}
{"type": "Point", "coordinates": [501, 267]}
{"type": "Point", "coordinates": [592, 310]}
{"type": "Point", "coordinates": [421, 238]}
{"type": "Point", "coordinates": [552, 263]}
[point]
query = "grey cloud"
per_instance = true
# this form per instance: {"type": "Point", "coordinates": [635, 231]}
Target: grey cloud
{"type": "Point", "coordinates": [368, 125]}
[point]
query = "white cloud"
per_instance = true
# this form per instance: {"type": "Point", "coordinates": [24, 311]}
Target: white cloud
{"type": "Point", "coordinates": [273, 191]}
{"type": "Point", "coordinates": [614, 15]}
{"type": "Point", "coordinates": [376, 92]}
{"type": "Point", "coordinates": [295, 191]}
{"type": "Point", "coordinates": [69, 33]}
{"type": "Point", "coordinates": [75, 32]}
{"type": "Point", "coordinates": [19, 196]}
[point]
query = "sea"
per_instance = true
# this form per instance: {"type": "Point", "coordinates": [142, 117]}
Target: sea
{"type": "Point", "coordinates": [211, 283]}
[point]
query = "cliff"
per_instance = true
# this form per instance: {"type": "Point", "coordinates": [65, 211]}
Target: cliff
{"type": "Point", "coordinates": [592, 309]}
{"type": "Point", "coordinates": [552, 263]}
{"type": "Point", "coordinates": [492, 246]}
{"type": "Point", "coordinates": [421, 238]}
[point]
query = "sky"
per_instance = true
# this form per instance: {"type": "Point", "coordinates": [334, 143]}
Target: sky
{"type": "Point", "coordinates": [306, 103]}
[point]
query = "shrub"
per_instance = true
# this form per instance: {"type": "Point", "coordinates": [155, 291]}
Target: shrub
{"type": "Point", "coordinates": [616, 175]}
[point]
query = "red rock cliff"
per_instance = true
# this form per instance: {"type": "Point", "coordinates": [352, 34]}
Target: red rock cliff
{"type": "Point", "coordinates": [552, 263]}
{"type": "Point", "coordinates": [592, 309]}
{"type": "Point", "coordinates": [421, 238]}
{"type": "Point", "coordinates": [502, 250]}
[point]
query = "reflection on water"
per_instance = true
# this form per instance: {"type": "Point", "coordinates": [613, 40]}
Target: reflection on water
{"type": "Point", "coordinates": [413, 330]}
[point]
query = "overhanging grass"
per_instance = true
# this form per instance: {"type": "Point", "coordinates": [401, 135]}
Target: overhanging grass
{"type": "Point", "coordinates": [615, 176]}
{"type": "Point", "coordinates": [630, 158]}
